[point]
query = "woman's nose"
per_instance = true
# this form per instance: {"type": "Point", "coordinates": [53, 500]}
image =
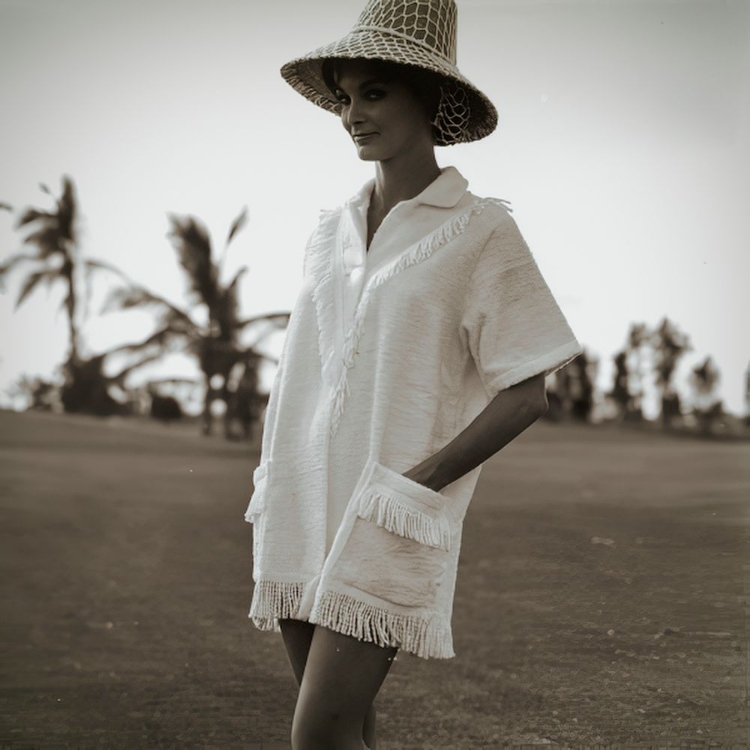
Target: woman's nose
{"type": "Point", "coordinates": [354, 112]}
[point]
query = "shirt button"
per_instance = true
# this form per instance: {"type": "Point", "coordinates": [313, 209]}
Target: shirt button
{"type": "Point", "coordinates": [356, 273]}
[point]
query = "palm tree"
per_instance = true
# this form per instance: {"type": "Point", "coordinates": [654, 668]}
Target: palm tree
{"type": "Point", "coordinates": [620, 392]}
{"type": "Point", "coordinates": [58, 260]}
{"type": "Point", "coordinates": [216, 344]}
{"type": "Point", "coordinates": [638, 338]}
{"type": "Point", "coordinates": [56, 256]}
{"type": "Point", "coordinates": [669, 344]}
{"type": "Point", "coordinates": [707, 404]}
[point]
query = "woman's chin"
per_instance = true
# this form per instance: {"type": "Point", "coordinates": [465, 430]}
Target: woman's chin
{"type": "Point", "coordinates": [367, 152]}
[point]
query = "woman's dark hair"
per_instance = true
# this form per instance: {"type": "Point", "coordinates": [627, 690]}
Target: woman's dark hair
{"type": "Point", "coordinates": [424, 84]}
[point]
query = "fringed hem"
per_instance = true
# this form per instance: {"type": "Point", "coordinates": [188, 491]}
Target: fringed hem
{"type": "Point", "coordinates": [273, 600]}
{"type": "Point", "coordinates": [428, 639]}
{"type": "Point", "coordinates": [397, 514]}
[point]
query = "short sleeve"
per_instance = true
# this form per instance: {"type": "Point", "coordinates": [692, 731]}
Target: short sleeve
{"type": "Point", "coordinates": [512, 323]}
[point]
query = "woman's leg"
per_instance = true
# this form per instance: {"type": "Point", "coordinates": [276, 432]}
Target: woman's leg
{"type": "Point", "coordinates": [297, 636]}
{"type": "Point", "coordinates": [341, 678]}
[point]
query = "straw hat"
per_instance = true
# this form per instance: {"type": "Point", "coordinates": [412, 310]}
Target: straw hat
{"type": "Point", "coordinates": [412, 32]}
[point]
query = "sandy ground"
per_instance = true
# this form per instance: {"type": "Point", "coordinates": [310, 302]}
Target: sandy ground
{"type": "Point", "coordinates": [602, 596]}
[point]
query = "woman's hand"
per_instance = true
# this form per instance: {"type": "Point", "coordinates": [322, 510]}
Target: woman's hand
{"type": "Point", "coordinates": [423, 475]}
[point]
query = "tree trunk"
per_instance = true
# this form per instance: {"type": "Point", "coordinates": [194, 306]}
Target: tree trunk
{"type": "Point", "coordinates": [206, 418]}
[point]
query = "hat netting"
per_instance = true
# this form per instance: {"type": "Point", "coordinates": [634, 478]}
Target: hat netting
{"type": "Point", "coordinates": [411, 32]}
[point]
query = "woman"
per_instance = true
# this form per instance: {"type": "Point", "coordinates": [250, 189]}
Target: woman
{"type": "Point", "coordinates": [417, 348]}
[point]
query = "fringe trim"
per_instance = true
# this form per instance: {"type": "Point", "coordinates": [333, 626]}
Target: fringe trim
{"type": "Point", "coordinates": [320, 266]}
{"type": "Point", "coordinates": [273, 600]}
{"type": "Point", "coordinates": [426, 638]}
{"type": "Point", "coordinates": [419, 252]}
{"type": "Point", "coordinates": [397, 514]}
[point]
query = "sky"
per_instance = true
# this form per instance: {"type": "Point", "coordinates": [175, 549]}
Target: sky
{"type": "Point", "coordinates": [623, 146]}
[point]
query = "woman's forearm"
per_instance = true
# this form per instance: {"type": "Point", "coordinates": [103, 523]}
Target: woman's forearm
{"type": "Point", "coordinates": [503, 419]}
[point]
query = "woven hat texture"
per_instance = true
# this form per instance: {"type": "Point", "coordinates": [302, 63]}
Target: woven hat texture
{"type": "Point", "coordinates": [412, 32]}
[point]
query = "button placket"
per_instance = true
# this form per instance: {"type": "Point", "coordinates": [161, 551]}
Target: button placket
{"type": "Point", "coordinates": [388, 218]}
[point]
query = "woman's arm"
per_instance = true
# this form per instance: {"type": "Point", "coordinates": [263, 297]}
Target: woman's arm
{"type": "Point", "coordinates": [504, 418]}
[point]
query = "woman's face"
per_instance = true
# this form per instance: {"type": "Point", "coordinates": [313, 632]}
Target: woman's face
{"type": "Point", "coordinates": [384, 117]}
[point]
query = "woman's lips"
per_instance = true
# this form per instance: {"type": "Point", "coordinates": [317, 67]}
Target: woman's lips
{"type": "Point", "coordinates": [363, 136]}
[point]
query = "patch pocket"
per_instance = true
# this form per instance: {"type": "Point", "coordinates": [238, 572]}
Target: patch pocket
{"type": "Point", "coordinates": [399, 545]}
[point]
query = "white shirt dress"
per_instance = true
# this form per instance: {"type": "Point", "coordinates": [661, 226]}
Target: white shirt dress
{"type": "Point", "coordinates": [389, 354]}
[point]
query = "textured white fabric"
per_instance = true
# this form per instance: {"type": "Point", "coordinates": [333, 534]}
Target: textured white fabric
{"type": "Point", "coordinates": [380, 369]}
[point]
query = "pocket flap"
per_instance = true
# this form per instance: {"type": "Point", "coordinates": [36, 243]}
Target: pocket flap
{"type": "Point", "coordinates": [404, 507]}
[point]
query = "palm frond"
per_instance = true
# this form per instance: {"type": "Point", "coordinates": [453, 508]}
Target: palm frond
{"type": "Point", "coordinates": [279, 317]}
{"type": "Point", "coordinates": [175, 381]}
{"type": "Point", "coordinates": [190, 238]}
{"type": "Point", "coordinates": [265, 325]}
{"type": "Point", "coordinates": [66, 211]}
{"type": "Point", "coordinates": [57, 230]}
{"type": "Point", "coordinates": [13, 261]}
{"type": "Point", "coordinates": [32, 214]}
{"type": "Point", "coordinates": [47, 240]}
{"type": "Point", "coordinates": [119, 379]}
{"type": "Point", "coordinates": [226, 313]}
{"type": "Point", "coordinates": [32, 280]}
{"type": "Point", "coordinates": [134, 296]}
{"type": "Point", "coordinates": [92, 265]}
{"type": "Point", "coordinates": [256, 355]}
{"type": "Point", "coordinates": [160, 340]}
{"type": "Point", "coordinates": [229, 297]}
{"type": "Point", "coordinates": [238, 224]}
{"type": "Point", "coordinates": [232, 285]}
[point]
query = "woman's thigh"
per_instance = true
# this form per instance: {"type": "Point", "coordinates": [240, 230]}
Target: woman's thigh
{"type": "Point", "coordinates": [297, 636]}
{"type": "Point", "coordinates": [341, 679]}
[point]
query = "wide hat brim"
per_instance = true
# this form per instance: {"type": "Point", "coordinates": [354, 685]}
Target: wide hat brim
{"type": "Point", "coordinates": [305, 75]}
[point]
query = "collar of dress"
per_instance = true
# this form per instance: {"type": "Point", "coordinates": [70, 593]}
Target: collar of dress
{"type": "Point", "coordinates": [338, 339]}
{"type": "Point", "coordinates": [444, 192]}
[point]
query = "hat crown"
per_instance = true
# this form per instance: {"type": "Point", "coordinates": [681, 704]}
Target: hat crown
{"type": "Point", "coordinates": [429, 23]}
{"type": "Point", "coordinates": [420, 33]}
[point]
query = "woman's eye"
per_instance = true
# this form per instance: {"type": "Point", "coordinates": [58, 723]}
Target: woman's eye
{"type": "Point", "coordinates": [374, 94]}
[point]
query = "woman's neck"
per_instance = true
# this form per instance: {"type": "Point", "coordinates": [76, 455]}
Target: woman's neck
{"type": "Point", "coordinates": [401, 179]}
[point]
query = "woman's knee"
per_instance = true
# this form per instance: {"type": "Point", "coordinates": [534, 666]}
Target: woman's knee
{"type": "Point", "coordinates": [321, 728]}
{"type": "Point", "coordinates": [327, 719]}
